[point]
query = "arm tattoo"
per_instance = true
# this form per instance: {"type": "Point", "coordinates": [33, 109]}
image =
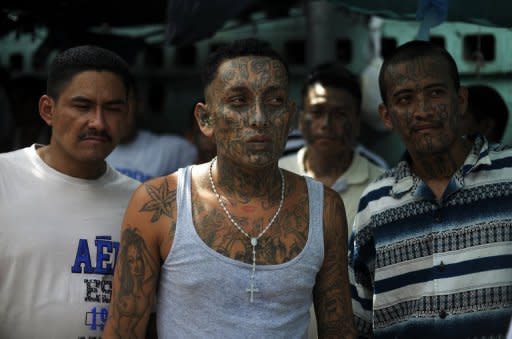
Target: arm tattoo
{"type": "Point", "coordinates": [136, 284]}
{"type": "Point", "coordinates": [161, 201]}
{"type": "Point", "coordinates": [332, 296]}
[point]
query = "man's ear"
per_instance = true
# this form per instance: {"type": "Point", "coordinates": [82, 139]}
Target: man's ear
{"type": "Point", "coordinates": [292, 108]}
{"type": "Point", "coordinates": [357, 126]}
{"type": "Point", "coordinates": [302, 120]}
{"type": "Point", "coordinates": [204, 118]}
{"type": "Point", "coordinates": [384, 115]}
{"type": "Point", "coordinates": [462, 95]}
{"type": "Point", "coordinates": [46, 106]}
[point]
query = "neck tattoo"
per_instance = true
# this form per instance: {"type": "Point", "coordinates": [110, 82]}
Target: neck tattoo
{"type": "Point", "coordinates": [254, 240]}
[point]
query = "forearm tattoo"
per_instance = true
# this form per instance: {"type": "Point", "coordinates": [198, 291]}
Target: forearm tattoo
{"type": "Point", "coordinates": [135, 283]}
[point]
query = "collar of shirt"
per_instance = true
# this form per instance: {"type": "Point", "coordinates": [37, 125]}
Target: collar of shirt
{"type": "Point", "coordinates": [356, 173]}
{"type": "Point", "coordinates": [407, 181]}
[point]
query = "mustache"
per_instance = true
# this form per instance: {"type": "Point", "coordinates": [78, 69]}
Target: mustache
{"type": "Point", "coordinates": [94, 133]}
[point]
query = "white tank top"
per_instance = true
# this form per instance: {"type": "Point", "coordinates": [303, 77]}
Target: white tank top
{"type": "Point", "coordinates": [202, 294]}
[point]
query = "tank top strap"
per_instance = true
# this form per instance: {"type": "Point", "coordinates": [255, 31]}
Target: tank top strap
{"type": "Point", "coordinates": [316, 203]}
{"type": "Point", "coordinates": [183, 200]}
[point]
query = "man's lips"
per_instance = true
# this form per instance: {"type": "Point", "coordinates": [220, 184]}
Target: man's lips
{"type": "Point", "coordinates": [96, 138]}
{"type": "Point", "coordinates": [259, 143]}
{"type": "Point", "coordinates": [324, 137]}
{"type": "Point", "coordinates": [426, 128]}
{"type": "Point", "coordinates": [259, 139]}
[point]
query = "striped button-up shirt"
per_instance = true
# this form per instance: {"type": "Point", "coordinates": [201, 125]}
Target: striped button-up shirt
{"type": "Point", "coordinates": [427, 268]}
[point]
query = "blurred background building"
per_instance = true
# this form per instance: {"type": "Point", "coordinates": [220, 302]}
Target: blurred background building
{"type": "Point", "coordinates": [166, 43]}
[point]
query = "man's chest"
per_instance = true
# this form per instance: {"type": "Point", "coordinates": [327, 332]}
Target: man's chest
{"type": "Point", "coordinates": [251, 236]}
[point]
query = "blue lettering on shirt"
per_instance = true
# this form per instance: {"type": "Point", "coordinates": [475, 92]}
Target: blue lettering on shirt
{"type": "Point", "coordinates": [135, 174]}
{"type": "Point", "coordinates": [106, 252]}
{"type": "Point", "coordinates": [96, 318]}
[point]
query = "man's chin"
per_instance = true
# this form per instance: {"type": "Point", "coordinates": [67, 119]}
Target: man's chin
{"type": "Point", "coordinates": [95, 156]}
{"type": "Point", "coordinates": [329, 145]}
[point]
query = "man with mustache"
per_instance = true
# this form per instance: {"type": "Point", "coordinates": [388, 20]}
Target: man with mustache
{"type": "Point", "coordinates": [61, 204]}
{"type": "Point", "coordinates": [430, 249]}
{"type": "Point", "coordinates": [242, 248]}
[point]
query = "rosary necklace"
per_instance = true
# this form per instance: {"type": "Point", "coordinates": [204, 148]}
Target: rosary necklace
{"type": "Point", "coordinates": [254, 240]}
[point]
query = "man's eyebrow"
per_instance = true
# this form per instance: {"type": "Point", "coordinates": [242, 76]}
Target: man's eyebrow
{"type": "Point", "coordinates": [81, 99]}
{"type": "Point", "coordinates": [402, 91]}
{"type": "Point", "coordinates": [116, 102]}
{"type": "Point", "coordinates": [434, 85]}
{"type": "Point", "coordinates": [429, 86]}
{"type": "Point", "coordinates": [236, 88]}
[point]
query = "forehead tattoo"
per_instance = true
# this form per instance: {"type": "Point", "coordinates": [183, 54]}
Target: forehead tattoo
{"type": "Point", "coordinates": [279, 72]}
{"type": "Point", "coordinates": [264, 70]}
{"type": "Point", "coordinates": [414, 70]}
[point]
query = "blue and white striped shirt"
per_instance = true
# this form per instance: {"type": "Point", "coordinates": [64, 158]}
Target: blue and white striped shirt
{"type": "Point", "coordinates": [423, 268]}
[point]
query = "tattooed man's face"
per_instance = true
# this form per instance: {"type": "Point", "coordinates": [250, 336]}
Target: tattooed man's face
{"type": "Point", "coordinates": [330, 120]}
{"type": "Point", "coordinates": [248, 101]}
{"type": "Point", "coordinates": [423, 105]}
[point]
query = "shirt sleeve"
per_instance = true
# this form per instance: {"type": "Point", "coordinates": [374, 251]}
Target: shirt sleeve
{"type": "Point", "coordinates": [361, 276]}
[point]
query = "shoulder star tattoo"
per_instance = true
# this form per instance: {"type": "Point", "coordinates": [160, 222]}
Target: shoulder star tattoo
{"type": "Point", "coordinates": [161, 200]}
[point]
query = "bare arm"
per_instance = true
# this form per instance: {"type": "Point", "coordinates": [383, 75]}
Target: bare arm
{"type": "Point", "coordinates": [146, 223]}
{"type": "Point", "coordinates": [331, 293]}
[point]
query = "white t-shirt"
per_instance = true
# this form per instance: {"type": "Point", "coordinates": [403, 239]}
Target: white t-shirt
{"type": "Point", "coordinates": [59, 237]}
{"type": "Point", "coordinates": [151, 155]}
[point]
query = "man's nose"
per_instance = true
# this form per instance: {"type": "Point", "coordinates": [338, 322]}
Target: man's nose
{"type": "Point", "coordinates": [326, 119]}
{"type": "Point", "coordinates": [97, 119]}
{"type": "Point", "coordinates": [258, 118]}
{"type": "Point", "coordinates": [423, 107]}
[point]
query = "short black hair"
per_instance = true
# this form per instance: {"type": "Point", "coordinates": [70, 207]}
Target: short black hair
{"type": "Point", "coordinates": [416, 49]}
{"type": "Point", "coordinates": [79, 59]}
{"type": "Point", "coordinates": [333, 75]}
{"type": "Point", "coordinates": [236, 49]}
{"type": "Point", "coordinates": [485, 102]}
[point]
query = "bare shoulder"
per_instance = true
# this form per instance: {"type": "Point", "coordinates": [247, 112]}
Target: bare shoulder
{"type": "Point", "coordinates": [152, 210]}
{"type": "Point", "coordinates": [156, 198]}
{"type": "Point", "coordinates": [332, 197]}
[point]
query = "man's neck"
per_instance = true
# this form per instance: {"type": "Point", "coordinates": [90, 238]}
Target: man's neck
{"type": "Point", "coordinates": [327, 168]}
{"type": "Point", "coordinates": [71, 168]}
{"type": "Point", "coordinates": [437, 169]}
{"type": "Point", "coordinates": [245, 185]}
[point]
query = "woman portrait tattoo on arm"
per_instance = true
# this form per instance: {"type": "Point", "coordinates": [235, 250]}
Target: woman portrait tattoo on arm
{"type": "Point", "coordinates": [137, 279]}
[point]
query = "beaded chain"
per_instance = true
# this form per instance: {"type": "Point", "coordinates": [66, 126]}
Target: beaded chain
{"type": "Point", "coordinates": [254, 240]}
